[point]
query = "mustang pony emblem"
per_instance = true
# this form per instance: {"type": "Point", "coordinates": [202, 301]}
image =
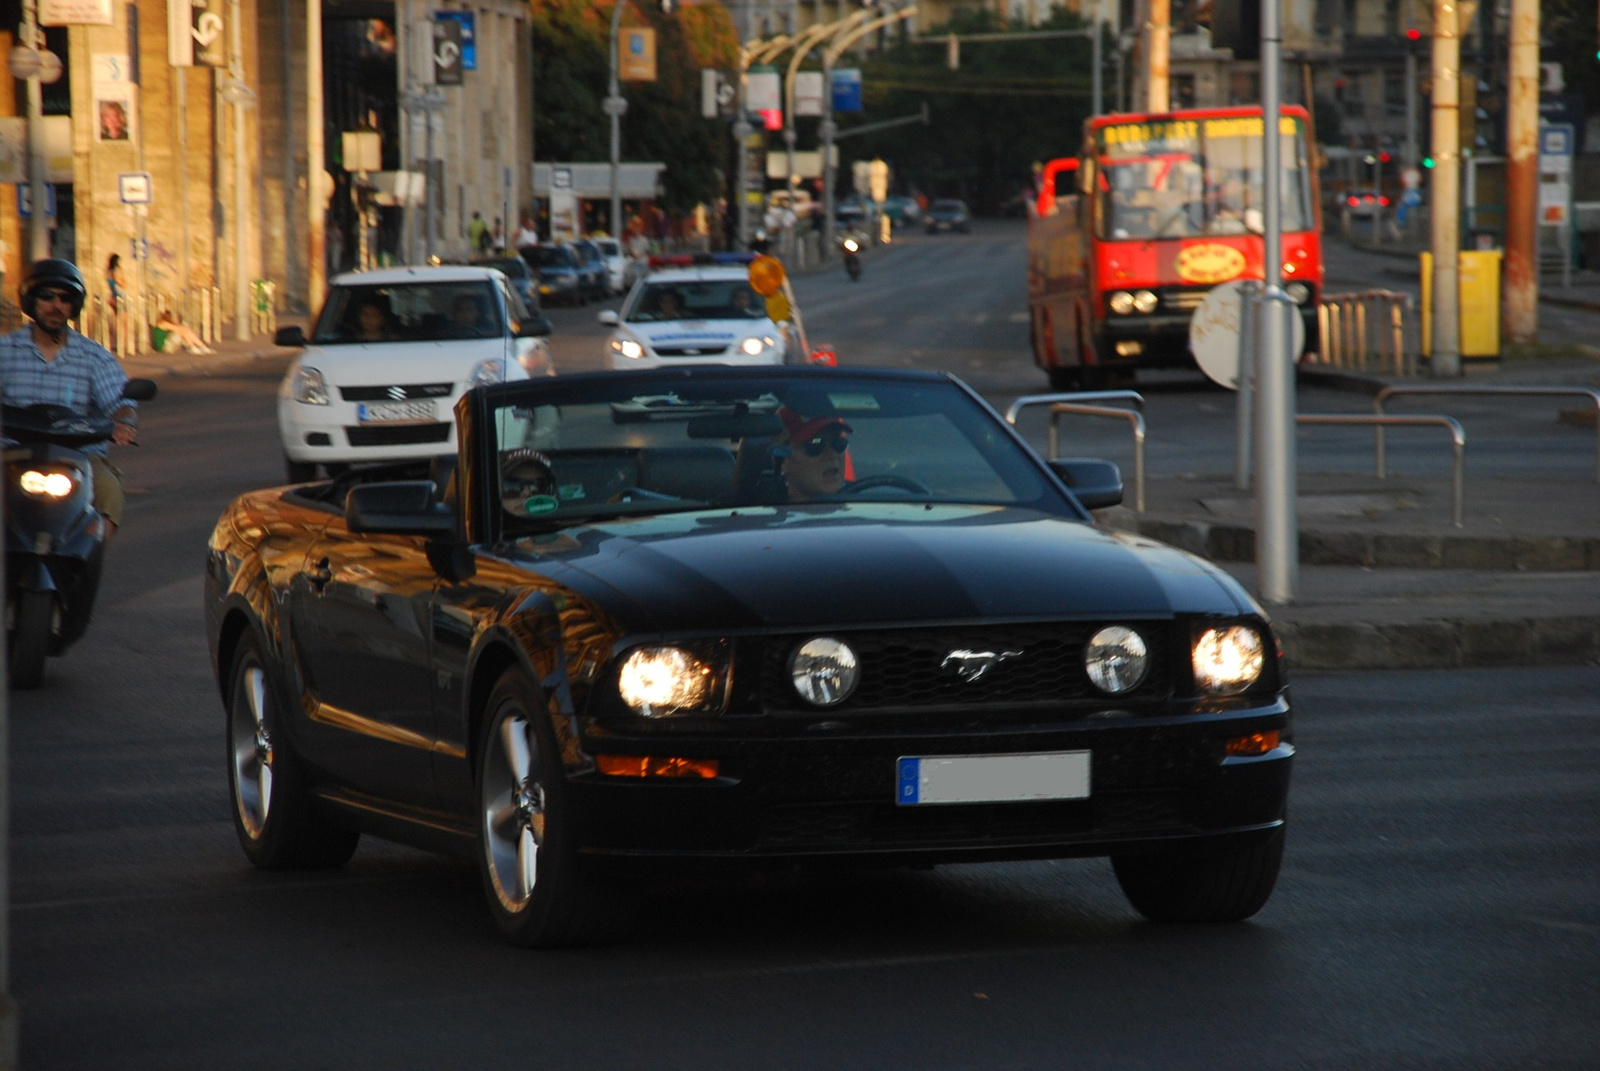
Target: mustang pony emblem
{"type": "Point", "coordinates": [972, 666]}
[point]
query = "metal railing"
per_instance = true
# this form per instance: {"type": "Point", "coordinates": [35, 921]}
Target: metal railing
{"type": "Point", "coordinates": [1366, 331]}
{"type": "Point", "coordinates": [1582, 392]}
{"type": "Point", "coordinates": [1075, 403]}
{"type": "Point", "coordinates": [1458, 440]}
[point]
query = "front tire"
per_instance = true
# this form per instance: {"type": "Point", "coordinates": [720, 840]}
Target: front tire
{"type": "Point", "coordinates": [540, 891]}
{"type": "Point", "coordinates": [1227, 885]}
{"type": "Point", "coordinates": [273, 811]}
{"type": "Point", "coordinates": [30, 637]}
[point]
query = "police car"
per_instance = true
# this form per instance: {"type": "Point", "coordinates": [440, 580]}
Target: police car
{"type": "Point", "coordinates": [694, 312]}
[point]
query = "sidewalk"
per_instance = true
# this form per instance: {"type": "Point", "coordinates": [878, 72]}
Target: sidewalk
{"type": "Point", "coordinates": [231, 356]}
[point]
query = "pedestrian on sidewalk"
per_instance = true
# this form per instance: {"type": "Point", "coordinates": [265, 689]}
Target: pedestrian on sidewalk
{"type": "Point", "coordinates": [478, 233]}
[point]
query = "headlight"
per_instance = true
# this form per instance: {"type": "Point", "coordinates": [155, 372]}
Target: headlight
{"type": "Point", "coordinates": [658, 682]}
{"type": "Point", "coordinates": [41, 484]}
{"type": "Point", "coordinates": [628, 348]}
{"type": "Point", "coordinates": [1121, 303]}
{"type": "Point", "coordinates": [1228, 660]}
{"type": "Point", "coordinates": [309, 387]}
{"type": "Point", "coordinates": [1116, 659]}
{"type": "Point", "coordinates": [1144, 301]}
{"type": "Point", "coordinates": [1299, 293]}
{"type": "Point", "coordinates": [755, 347]}
{"type": "Point", "coordinates": [491, 370]}
{"type": "Point", "coordinates": [824, 671]}
{"type": "Point", "coordinates": [850, 245]}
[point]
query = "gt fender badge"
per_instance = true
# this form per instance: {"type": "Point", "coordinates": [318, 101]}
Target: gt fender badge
{"type": "Point", "coordinates": [973, 666]}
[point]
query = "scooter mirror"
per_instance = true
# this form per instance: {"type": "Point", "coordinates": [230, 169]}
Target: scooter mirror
{"type": "Point", "coordinates": [139, 390]}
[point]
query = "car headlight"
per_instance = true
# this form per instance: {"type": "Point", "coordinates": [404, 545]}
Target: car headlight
{"type": "Point", "coordinates": [309, 387]}
{"type": "Point", "coordinates": [659, 682]}
{"type": "Point", "coordinates": [755, 347]}
{"type": "Point", "coordinates": [41, 483]}
{"type": "Point", "coordinates": [1116, 659]}
{"type": "Point", "coordinates": [487, 371]}
{"type": "Point", "coordinates": [1121, 303]}
{"type": "Point", "coordinates": [824, 671]}
{"type": "Point", "coordinates": [1299, 293]}
{"type": "Point", "coordinates": [628, 348]}
{"type": "Point", "coordinates": [1228, 660]}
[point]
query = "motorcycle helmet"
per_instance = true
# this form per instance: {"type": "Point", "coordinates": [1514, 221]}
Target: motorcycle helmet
{"type": "Point", "coordinates": [56, 272]}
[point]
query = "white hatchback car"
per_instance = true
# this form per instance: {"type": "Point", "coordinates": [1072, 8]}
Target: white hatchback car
{"type": "Point", "coordinates": [391, 352]}
{"type": "Point", "coordinates": [703, 314]}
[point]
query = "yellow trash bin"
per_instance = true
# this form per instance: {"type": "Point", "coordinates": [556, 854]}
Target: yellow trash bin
{"type": "Point", "coordinates": [1478, 283]}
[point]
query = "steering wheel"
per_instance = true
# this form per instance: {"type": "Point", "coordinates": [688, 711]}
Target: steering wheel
{"type": "Point", "coordinates": [887, 479]}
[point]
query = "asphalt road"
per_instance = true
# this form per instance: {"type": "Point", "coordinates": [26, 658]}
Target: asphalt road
{"type": "Point", "coordinates": [1439, 905]}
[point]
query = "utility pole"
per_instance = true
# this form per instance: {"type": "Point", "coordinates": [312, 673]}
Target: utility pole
{"type": "Point", "coordinates": [1445, 361]}
{"type": "Point", "coordinates": [39, 221]}
{"type": "Point", "coordinates": [1158, 54]}
{"type": "Point", "coordinates": [316, 173]}
{"type": "Point", "coordinates": [1522, 177]}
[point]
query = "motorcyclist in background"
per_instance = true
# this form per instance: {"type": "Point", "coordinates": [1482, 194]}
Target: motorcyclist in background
{"type": "Point", "coordinates": [48, 362]}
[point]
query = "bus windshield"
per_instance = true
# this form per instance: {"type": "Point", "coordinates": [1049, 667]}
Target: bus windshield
{"type": "Point", "coordinates": [1194, 178]}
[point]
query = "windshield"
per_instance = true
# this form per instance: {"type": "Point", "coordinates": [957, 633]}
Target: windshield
{"type": "Point", "coordinates": [717, 299]}
{"type": "Point", "coordinates": [603, 446]}
{"type": "Point", "coordinates": [1194, 178]}
{"type": "Point", "coordinates": [549, 256]}
{"type": "Point", "coordinates": [610, 247]}
{"type": "Point", "coordinates": [410, 312]}
{"type": "Point", "coordinates": [511, 267]}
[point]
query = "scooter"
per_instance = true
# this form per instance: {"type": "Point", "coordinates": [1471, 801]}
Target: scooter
{"type": "Point", "coordinates": [852, 257]}
{"type": "Point", "coordinates": [55, 538]}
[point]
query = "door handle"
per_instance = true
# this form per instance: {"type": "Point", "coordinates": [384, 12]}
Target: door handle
{"type": "Point", "coordinates": [319, 575]}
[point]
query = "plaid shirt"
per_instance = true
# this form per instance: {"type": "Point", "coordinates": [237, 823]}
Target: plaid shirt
{"type": "Point", "coordinates": [84, 376]}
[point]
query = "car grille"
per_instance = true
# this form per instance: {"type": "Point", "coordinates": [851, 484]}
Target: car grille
{"type": "Point", "coordinates": [885, 825]}
{"type": "Point", "coordinates": [1182, 300]}
{"type": "Point", "coordinates": [691, 351]}
{"type": "Point", "coordinates": [905, 668]}
{"type": "Point", "coordinates": [397, 435]}
{"type": "Point", "coordinates": [395, 393]}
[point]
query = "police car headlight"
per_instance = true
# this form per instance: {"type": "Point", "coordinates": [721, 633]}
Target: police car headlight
{"type": "Point", "coordinates": [1121, 302]}
{"type": "Point", "coordinates": [309, 388]}
{"type": "Point", "coordinates": [491, 370]}
{"type": "Point", "coordinates": [1144, 301]}
{"type": "Point", "coordinates": [1299, 293]}
{"type": "Point", "coordinates": [44, 484]}
{"type": "Point", "coordinates": [755, 347]}
{"type": "Point", "coordinates": [1228, 660]}
{"type": "Point", "coordinates": [628, 348]}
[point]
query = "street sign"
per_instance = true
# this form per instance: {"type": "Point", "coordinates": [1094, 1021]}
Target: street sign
{"type": "Point", "coordinates": [1214, 334]}
{"type": "Point", "coordinates": [636, 61]}
{"type": "Point", "coordinates": [847, 90]}
{"type": "Point", "coordinates": [1556, 143]}
{"type": "Point", "coordinates": [467, 21]}
{"type": "Point", "coordinates": [762, 91]}
{"type": "Point", "coordinates": [446, 52]}
{"type": "Point", "coordinates": [808, 93]}
{"type": "Point", "coordinates": [134, 188]}
{"type": "Point", "coordinates": [25, 200]}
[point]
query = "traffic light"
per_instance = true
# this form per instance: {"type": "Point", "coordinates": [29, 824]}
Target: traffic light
{"type": "Point", "coordinates": [1384, 158]}
{"type": "Point", "coordinates": [1413, 35]}
{"type": "Point", "coordinates": [1427, 161]}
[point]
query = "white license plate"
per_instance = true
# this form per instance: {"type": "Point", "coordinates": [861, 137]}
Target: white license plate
{"type": "Point", "coordinates": [1061, 775]}
{"type": "Point", "coordinates": [420, 412]}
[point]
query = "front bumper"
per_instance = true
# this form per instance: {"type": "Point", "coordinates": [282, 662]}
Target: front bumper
{"type": "Point", "coordinates": [334, 433]}
{"type": "Point", "coordinates": [1153, 782]}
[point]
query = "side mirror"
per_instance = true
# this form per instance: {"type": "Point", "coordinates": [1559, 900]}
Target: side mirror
{"type": "Point", "coordinates": [1095, 483]}
{"type": "Point", "coordinates": [139, 390]}
{"type": "Point", "coordinates": [609, 318]}
{"type": "Point", "coordinates": [536, 326]}
{"type": "Point", "coordinates": [290, 336]}
{"type": "Point", "coordinates": [404, 507]}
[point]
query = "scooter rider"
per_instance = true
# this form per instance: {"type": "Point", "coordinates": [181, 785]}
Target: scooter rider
{"type": "Point", "coordinates": [47, 362]}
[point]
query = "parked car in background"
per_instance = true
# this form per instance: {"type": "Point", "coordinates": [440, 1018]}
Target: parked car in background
{"type": "Point", "coordinates": [524, 283]}
{"type": "Point", "coordinates": [948, 214]}
{"type": "Point", "coordinates": [389, 355]}
{"type": "Point", "coordinates": [592, 277]}
{"type": "Point", "coordinates": [854, 212]}
{"type": "Point", "coordinates": [902, 209]}
{"type": "Point", "coordinates": [621, 270]}
{"type": "Point", "coordinates": [556, 267]}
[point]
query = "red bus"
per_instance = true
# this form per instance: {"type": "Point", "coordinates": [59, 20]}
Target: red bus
{"type": "Point", "coordinates": [1128, 237]}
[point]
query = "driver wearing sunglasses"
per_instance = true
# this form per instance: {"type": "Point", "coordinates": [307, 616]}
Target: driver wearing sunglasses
{"type": "Point", "coordinates": [816, 465]}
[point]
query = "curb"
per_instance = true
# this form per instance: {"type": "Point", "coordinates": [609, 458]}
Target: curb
{"type": "Point", "coordinates": [1443, 643]}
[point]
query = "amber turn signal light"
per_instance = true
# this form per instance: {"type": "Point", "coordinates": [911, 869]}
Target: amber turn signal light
{"type": "Point", "coordinates": [655, 766]}
{"type": "Point", "coordinates": [1254, 744]}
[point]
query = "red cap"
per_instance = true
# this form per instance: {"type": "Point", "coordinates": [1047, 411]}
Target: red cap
{"type": "Point", "coordinates": [797, 429]}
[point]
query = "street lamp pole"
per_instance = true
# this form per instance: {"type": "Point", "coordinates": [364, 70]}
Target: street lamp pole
{"type": "Point", "coordinates": [616, 106]}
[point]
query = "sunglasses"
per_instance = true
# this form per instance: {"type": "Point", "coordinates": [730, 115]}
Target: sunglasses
{"type": "Point", "coordinates": [64, 296]}
{"type": "Point", "coordinates": [814, 447]}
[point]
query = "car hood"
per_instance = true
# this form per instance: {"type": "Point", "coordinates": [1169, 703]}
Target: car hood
{"type": "Point", "coordinates": [865, 564]}
{"type": "Point", "coordinates": [400, 362]}
{"type": "Point", "coordinates": [692, 332]}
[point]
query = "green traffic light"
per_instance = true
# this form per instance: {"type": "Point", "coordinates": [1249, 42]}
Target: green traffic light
{"type": "Point", "coordinates": [1427, 161]}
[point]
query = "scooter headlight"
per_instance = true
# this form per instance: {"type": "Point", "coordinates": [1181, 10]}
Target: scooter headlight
{"type": "Point", "coordinates": [41, 483]}
{"type": "Point", "coordinates": [850, 245]}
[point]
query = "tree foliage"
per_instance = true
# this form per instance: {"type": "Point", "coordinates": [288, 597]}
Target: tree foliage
{"type": "Point", "coordinates": [1008, 106]}
{"type": "Point", "coordinates": [571, 74]}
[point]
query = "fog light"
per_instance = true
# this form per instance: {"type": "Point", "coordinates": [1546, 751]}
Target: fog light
{"type": "Point", "coordinates": [1116, 659]}
{"type": "Point", "coordinates": [824, 671]}
{"type": "Point", "coordinates": [1254, 744]}
{"type": "Point", "coordinates": [656, 766]}
{"type": "Point", "coordinates": [1129, 349]}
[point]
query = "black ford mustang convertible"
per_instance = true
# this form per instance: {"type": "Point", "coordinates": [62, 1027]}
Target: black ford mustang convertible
{"type": "Point", "coordinates": [760, 615]}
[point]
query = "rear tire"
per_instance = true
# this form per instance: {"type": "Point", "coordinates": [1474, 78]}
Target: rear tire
{"type": "Point", "coordinates": [541, 892]}
{"type": "Point", "coordinates": [1226, 885]}
{"type": "Point", "coordinates": [274, 814]}
{"type": "Point", "coordinates": [30, 637]}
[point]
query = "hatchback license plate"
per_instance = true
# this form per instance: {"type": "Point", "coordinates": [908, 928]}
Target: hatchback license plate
{"type": "Point", "coordinates": [1061, 775]}
{"type": "Point", "coordinates": [419, 412]}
